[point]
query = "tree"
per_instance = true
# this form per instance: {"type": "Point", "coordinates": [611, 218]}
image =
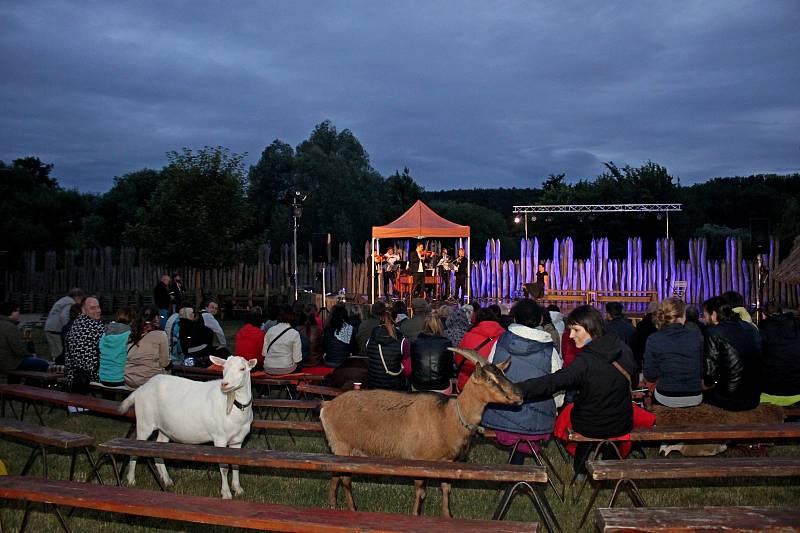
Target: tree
{"type": "Point", "coordinates": [402, 191]}
{"type": "Point", "coordinates": [272, 175]}
{"type": "Point", "coordinates": [197, 212]}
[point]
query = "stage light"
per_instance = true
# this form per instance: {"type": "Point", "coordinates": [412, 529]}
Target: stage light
{"type": "Point", "coordinates": [516, 220]}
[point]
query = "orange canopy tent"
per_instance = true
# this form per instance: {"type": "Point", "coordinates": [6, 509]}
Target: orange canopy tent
{"type": "Point", "coordinates": [419, 222]}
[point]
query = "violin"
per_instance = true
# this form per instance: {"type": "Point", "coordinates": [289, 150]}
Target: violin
{"type": "Point", "coordinates": [428, 253]}
{"type": "Point", "coordinates": [379, 258]}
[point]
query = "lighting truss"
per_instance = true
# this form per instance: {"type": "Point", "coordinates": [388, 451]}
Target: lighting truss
{"type": "Point", "coordinates": [599, 208]}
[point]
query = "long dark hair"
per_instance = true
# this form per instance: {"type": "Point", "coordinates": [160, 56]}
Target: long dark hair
{"type": "Point", "coordinates": [721, 306]}
{"type": "Point", "coordinates": [338, 318]}
{"type": "Point", "coordinates": [146, 320]}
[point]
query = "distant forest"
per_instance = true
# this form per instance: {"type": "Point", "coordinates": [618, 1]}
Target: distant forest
{"type": "Point", "coordinates": [204, 208]}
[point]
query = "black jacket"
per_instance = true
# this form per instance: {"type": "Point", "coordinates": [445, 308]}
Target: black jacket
{"type": "Point", "coordinates": [780, 344]}
{"type": "Point", "coordinates": [378, 377]}
{"type": "Point", "coordinates": [603, 403]}
{"type": "Point", "coordinates": [623, 328]}
{"type": "Point", "coordinates": [161, 296]}
{"type": "Point", "coordinates": [674, 358]}
{"type": "Point", "coordinates": [431, 362]}
{"type": "Point", "coordinates": [732, 356]}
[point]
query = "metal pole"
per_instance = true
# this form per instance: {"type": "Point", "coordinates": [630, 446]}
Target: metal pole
{"type": "Point", "coordinates": [324, 293]}
{"type": "Point", "coordinates": [526, 226]}
{"type": "Point", "coordinates": [758, 285]}
{"type": "Point", "coordinates": [469, 272]}
{"type": "Point", "coordinates": [667, 212]}
{"type": "Point", "coordinates": [295, 259]}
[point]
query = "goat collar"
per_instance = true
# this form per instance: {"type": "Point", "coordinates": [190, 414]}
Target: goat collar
{"type": "Point", "coordinates": [242, 406]}
{"type": "Point", "coordinates": [470, 427]}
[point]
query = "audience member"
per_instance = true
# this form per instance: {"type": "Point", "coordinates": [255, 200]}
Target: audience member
{"type": "Point", "coordinates": [365, 328]}
{"type": "Point", "coordinates": [532, 355]}
{"type": "Point", "coordinates": [602, 407]}
{"type": "Point", "coordinates": [419, 310]}
{"type": "Point", "coordinates": [557, 318]}
{"type": "Point", "coordinates": [114, 349]}
{"type": "Point", "coordinates": [57, 318]}
{"type": "Point", "coordinates": [732, 358]}
{"type": "Point", "coordinates": [249, 340]}
{"type": "Point", "coordinates": [163, 299]}
{"type": "Point", "coordinates": [282, 345]}
{"type": "Point", "coordinates": [82, 347]}
{"type": "Point", "coordinates": [74, 312]}
{"type": "Point", "coordinates": [619, 323]}
{"type": "Point", "coordinates": [780, 345]}
{"type": "Point", "coordinates": [310, 337]}
{"type": "Point", "coordinates": [204, 330]}
{"type": "Point", "coordinates": [399, 313]}
{"type": "Point", "coordinates": [431, 361]}
{"type": "Point", "coordinates": [338, 335]}
{"type": "Point", "coordinates": [271, 316]}
{"type": "Point", "coordinates": [645, 328]}
{"type": "Point", "coordinates": [673, 357]}
{"type": "Point", "coordinates": [387, 350]}
{"type": "Point", "coordinates": [14, 355]}
{"type": "Point", "coordinates": [481, 337]}
{"type": "Point", "coordinates": [179, 334]}
{"type": "Point", "coordinates": [457, 324]}
{"type": "Point", "coordinates": [547, 325]}
{"type": "Point", "coordinates": [177, 293]}
{"type": "Point", "coordinates": [736, 302]}
{"type": "Point", "coordinates": [148, 349]}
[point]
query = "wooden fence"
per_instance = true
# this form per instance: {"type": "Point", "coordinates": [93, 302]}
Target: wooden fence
{"type": "Point", "coordinates": [130, 271]}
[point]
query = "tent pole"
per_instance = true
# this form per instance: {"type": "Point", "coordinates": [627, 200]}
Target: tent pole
{"type": "Point", "coordinates": [469, 272]}
{"type": "Point", "coordinates": [371, 261]}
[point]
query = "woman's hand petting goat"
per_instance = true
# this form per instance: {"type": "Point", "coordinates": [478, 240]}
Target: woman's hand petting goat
{"type": "Point", "coordinates": [194, 412]}
{"type": "Point", "coordinates": [421, 426]}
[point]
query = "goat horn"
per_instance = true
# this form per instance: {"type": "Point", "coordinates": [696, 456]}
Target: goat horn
{"type": "Point", "coordinates": [471, 355]}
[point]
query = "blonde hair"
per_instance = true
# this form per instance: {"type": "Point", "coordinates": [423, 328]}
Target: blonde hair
{"type": "Point", "coordinates": [433, 324]}
{"type": "Point", "coordinates": [670, 311]}
{"type": "Point", "coordinates": [186, 312]}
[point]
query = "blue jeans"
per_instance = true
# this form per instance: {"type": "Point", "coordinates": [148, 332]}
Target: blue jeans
{"type": "Point", "coordinates": [163, 314]}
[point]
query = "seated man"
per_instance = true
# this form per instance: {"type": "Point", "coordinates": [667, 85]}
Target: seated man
{"type": "Point", "coordinates": [13, 353]}
{"type": "Point", "coordinates": [205, 329]}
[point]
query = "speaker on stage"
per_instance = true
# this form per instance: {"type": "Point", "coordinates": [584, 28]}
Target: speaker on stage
{"type": "Point", "coordinates": [320, 243]}
{"type": "Point", "coordinates": [759, 235]}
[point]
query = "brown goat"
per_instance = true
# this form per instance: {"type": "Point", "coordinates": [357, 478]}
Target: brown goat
{"type": "Point", "coordinates": [421, 426]}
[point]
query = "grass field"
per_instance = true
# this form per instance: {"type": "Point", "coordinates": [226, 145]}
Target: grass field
{"type": "Point", "coordinates": [469, 500]}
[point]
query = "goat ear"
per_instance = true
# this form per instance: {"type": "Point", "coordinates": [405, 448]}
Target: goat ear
{"type": "Point", "coordinates": [216, 360]}
{"type": "Point", "coordinates": [251, 364]}
{"type": "Point", "coordinates": [504, 365]}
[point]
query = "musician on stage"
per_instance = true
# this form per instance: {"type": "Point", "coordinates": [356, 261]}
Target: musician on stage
{"type": "Point", "coordinates": [461, 273]}
{"type": "Point", "coordinates": [443, 266]}
{"type": "Point", "coordinates": [416, 264]}
{"type": "Point", "coordinates": [390, 259]}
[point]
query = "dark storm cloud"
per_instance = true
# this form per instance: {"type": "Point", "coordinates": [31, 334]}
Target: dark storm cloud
{"type": "Point", "coordinates": [465, 95]}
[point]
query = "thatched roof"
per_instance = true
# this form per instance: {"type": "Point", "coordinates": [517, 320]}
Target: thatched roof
{"type": "Point", "coordinates": [789, 269]}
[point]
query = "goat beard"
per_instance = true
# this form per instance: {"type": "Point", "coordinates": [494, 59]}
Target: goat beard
{"type": "Point", "coordinates": [231, 398]}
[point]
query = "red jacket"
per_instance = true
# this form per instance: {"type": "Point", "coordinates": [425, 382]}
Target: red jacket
{"type": "Point", "coordinates": [249, 343]}
{"type": "Point", "coordinates": [488, 329]}
{"type": "Point", "coordinates": [568, 349]}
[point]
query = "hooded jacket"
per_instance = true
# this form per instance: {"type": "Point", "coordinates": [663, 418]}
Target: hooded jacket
{"type": "Point", "coordinates": [780, 343]}
{"type": "Point", "coordinates": [532, 356]}
{"type": "Point", "coordinates": [114, 354]}
{"type": "Point", "coordinates": [603, 407]}
{"type": "Point", "coordinates": [732, 357]}
{"type": "Point", "coordinates": [431, 362]}
{"type": "Point", "coordinates": [484, 334]}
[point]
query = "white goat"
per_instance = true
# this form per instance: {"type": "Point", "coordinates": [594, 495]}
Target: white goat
{"type": "Point", "coordinates": [194, 412]}
{"type": "Point", "coordinates": [423, 426]}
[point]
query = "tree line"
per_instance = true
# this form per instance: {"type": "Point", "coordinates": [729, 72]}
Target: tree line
{"type": "Point", "coordinates": [205, 208]}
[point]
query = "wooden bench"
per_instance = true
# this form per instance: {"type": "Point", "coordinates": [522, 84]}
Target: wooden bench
{"type": "Point", "coordinates": [765, 432]}
{"type": "Point", "coordinates": [580, 297]}
{"type": "Point", "coordinates": [233, 513]}
{"type": "Point", "coordinates": [642, 297]}
{"type": "Point", "coordinates": [532, 478]}
{"type": "Point", "coordinates": [41, 379]}
{"type": "Point", "coordinates": [264, 406]}
{"type": "Point", "coordinates": [42, 438]}
{"type": "Point", "coordinates": [627, 472]}
{"type": "Point", "coordinates": [692, 519]}
{"type": "Point", "coordinates": [35, 395]}
{"type": "Point", "coordinates": [307, 390]}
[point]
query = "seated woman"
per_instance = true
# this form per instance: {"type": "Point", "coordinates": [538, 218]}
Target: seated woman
{"type": "Point", "coordinates": [179, 333]}
{"type": "Point", "coordinates": [481, 337]}
{"type": "Point", "coordinates": [282, 347]}
{"type": "Point", "coordinates": [114, 349]}
{"type": "Point", "coordinates": [311, 339]}
{"type": "Point", "coordinates": [732, 358]}
{"type": "Point", "coordinates": [338, 337]}
{"type": "Point", "coordinates": [431, 361]}
{"type": "Point", "coordinates": [148, 352]}
{"type": "Point", "coordinates": [780, 343]}
{"type": "Point", "coordinates": [673, 357]}
{"type": "Point", "coordinates": [249, 341]}
{"type": "Point", "coordinates": [386, 351]}
{"type": "Point", "coordinates": [532, 355]}
{"type": "Point", "coordinates": [601, 376]}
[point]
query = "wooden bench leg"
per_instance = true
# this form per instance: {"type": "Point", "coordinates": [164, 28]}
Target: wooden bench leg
{"type": "Point", "coordinates": [633, 492]}
{"type": "Point", "coordinates": [542, 505]}
{"type": "Point", "coordinates": [29, 462]}
{"type": "Point", "coordinates": [542, 460]}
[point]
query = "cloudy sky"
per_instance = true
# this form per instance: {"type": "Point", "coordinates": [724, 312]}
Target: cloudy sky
{"type": "Point", "coordinates": [466, 94]}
